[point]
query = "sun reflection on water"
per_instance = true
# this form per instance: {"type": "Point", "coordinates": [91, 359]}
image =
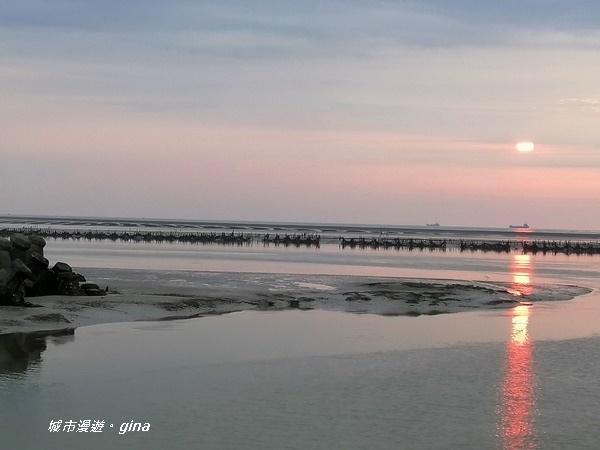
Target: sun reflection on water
{"type": "Point", "coordinates": [521, 269]}
{"type": "Point", "coordinates": [516, 412]}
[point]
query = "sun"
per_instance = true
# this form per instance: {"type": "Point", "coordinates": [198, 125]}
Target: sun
{"type": "Point", "coordinates": [525, 146]}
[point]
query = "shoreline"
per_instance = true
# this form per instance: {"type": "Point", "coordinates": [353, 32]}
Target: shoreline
{"type": "Point", "coordinates": [215, 293]}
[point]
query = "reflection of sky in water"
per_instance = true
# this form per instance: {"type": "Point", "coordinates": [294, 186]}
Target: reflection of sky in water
{"type": "Point", "coordinates": [275, 378]}
{"type": "Point", "coordinates": [516, 413]}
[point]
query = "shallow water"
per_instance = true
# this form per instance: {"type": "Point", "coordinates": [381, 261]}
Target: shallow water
{"type": "Point", "coordinates": [328, 259]}
{"type": "Point", "coordinates": [312, 379]}
{"type": "Point", "coordinates": [512, 379]}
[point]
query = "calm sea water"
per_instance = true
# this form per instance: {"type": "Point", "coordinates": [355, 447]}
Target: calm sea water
{"type": "Point", "coordinates": [521, 378]}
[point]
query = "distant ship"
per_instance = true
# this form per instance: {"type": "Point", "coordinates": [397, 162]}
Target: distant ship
{"type": "Point", "coordinates": [519, 226]}
{"type": "Point", "coordinates": [433, 224]}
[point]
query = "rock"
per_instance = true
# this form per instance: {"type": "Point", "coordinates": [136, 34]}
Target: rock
{"type": "Point", "coordinates": [39, 267]}
{"type": "Point", "coordinates": [70, 288]}
{"type": "Point", "coordinates": [5, 259]}
{"type": "Point", "coordinates": [61, 267]}
{"type": "Point", "coordinates": [20, 241]}
{"type": "Point", "coordinates": [68, 276]}
{"type": "Point", "coordinates": [24, 271]}
{"type": "Point", "coordinates": [92, 289]}
{"type": "Point", "coordinates": [38, 263]}
{"type": "Point", "coordinates": [4, 276]}
{"type": "Point", "coordinates": [12, 288]}
{"type": "Point", "coordinates": [38, 241]}
{"type": "Point", "coordinates": [47, 283]}
{"type": "Point", "coordinates": [87, 286]}
{"type": "Point", "coordinates": [20, 248]}
{"type": "Point", "coordinates": [29, 287]}
{"type": "Point", "coordinates": [68, 283]}
{"type": "Point", "coordinates": [20, 267]}
{"type": "Point", "coordinates": [37, 245]}
{"type": "Point", "coordinates": [5, 245]}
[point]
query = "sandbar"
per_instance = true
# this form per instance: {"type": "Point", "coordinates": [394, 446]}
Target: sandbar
{"type": "Point", "coordinates": [145, 296]}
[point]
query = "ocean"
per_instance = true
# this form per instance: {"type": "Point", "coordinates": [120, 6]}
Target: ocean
{"type": "Point", "coordinates": [519, 377]}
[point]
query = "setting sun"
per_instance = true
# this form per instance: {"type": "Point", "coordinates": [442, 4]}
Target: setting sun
{"type": "Point", "coordinates": [525, 146]}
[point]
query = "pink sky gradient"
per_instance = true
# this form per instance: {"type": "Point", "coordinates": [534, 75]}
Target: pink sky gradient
{"type": "Point", "coordinates": [292, 117]}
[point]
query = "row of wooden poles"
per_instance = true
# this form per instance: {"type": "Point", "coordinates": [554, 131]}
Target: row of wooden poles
{"type": "Point", "coordinates": [566, 247]}
{"type": "Point", "coordinates": [312, 240]}
{"type": "Point", "coordinates": [170, 236]}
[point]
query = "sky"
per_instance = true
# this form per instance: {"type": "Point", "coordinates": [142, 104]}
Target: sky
{"type": "Point", "coordinates": [332, 111]}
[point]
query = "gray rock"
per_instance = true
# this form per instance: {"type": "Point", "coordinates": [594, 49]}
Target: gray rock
{"type": "Point", "coordinates": [38, 241]}
{"type": "Point", "coordinates": [37, 245]}
{"type": "Point", "coordinates": [37, 284]}
{"type": "Point", "coordinates": [70, 288]}
{"type": "Point", "coordinates": [18, 254]}
{"type": "Point", "coordinates": [61, 267]}
{"type": "Point", "coordinates": [12, 287]}
{"type": "Point", "coordinates": [5, 260]}
{"type": "Point", "coordinates": [20, 267]}
{"type": "Point", "coordinates": [92, 289]}
{"type": "Point", "coordinates": [35, 250]}
{"type": "Point", "coordinates": [20, 247]}
{"type": "Point", "coordinates": [24, 271]}
{"type": "Point", "coordinates": [20, 241]}
{"type": "Point", "coordinates": [68, 276]}
{"type": "Point", "coordinates": [5, 244]}
{"type": "Point", "coordinates": [47, 283]}
{"type": "Point", "coordinates": [38, 263]}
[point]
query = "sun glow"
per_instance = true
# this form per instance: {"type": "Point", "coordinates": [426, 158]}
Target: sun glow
{"type": "Point", "coordinates": [525, 146]}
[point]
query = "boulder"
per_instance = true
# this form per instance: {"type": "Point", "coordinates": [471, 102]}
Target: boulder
{"type": "Point", "coordinates": [5, 245]}
{"type": "Point", "coordinates": [12, 287]}
{"type": "Point", "coordinates": [5, 259]}
{"type": "Point", "coordinates": [25, 272]}
{"type": "Point", "coordinates": [20, 241]}
{"type": "Point", "coordinates": [38, 266]}
{"type": "Point", "coordinates": [4, 276]}
{"type": "Point", "coordinates": [20, 247]}
{"type": "Point", "coordinates": [71, 288]}
{"type": "Point", "coordinates": [67, 277]}
{"type": "Point", "coordinates": [38, 263]}
{"type": "Point", "coordinates": [19, 267]}
{"type": "Point", "coordinates": [68, 283]}
{"type": "Point", "coordinates": [37, 245]}
{"type": "Point", "coordinates": [61, 267]}
{"type": "Point", "coordinates": [38, 241]}
{"type": "Point", "coordinates": [47, 283]}
{"type": "Point", "coordinates": [92, 289]}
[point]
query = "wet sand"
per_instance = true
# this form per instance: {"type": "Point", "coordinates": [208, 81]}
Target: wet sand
{"type": "Point", "coordinates": [219, 293]}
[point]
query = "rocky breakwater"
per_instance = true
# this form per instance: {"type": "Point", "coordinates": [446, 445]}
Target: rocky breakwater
{"type": "Point", "coordinates": [25, 272]}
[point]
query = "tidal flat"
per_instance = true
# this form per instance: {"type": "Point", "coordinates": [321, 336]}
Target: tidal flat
{"type": "Point", "coordinates": [154, 295]}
